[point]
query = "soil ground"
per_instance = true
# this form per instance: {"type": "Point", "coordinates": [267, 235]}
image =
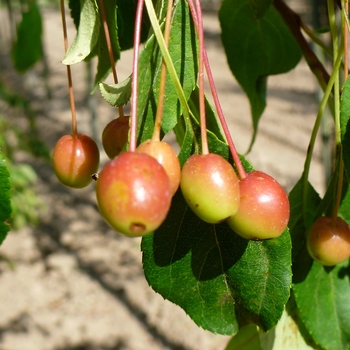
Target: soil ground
{"type": "Point", "coordinates": [76, 284]}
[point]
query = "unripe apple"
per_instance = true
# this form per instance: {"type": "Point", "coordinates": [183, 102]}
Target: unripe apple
{"type": "Point", "coordinates": [115, 136]}
{"type": "Point", "coordinates": [167, 157]}
{"type": "Point", "coordinates": [210, 186]}
{"type": "Point", "coordinates": [264, 209]}
{"type": "Point", "coordinates": [133, 193]}
{"type": "Point", "coordinates": [328, 240]}
{"type": "Point", "coordinates": [75, 159]}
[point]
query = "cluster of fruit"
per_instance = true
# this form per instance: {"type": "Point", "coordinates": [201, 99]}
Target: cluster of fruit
{"type": "Point", "coordinates": [134, 189]}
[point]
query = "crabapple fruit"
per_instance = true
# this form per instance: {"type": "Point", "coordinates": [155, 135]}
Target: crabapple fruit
{"type": "Point", "coordinates": [210, 187]}
{"type": "Point", "coordinates": [264, 208]}
{"type": "Point", "coordinates": [75, 159]}
{"type": "Point", "coordinates": [328, 240]}
{"type": "Point", "coordinates": [115, 136]}
{"type": "Point", "coordinates": [133, 193]}
{"type": "Point", "coordinates": [166, 156]}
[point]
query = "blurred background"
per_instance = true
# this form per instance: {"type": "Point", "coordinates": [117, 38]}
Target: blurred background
{"type": "Point", "coordinates": [67, 281]}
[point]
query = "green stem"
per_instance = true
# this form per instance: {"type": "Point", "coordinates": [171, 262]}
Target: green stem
{"type": "Point", "coordinates": [315, 129]}
{"type": "Point", "coordinates": [160, 105]}
{"type": "Point", "coordinates": [338, 143]}
{"type": "Point", "coordinates": [335, 44]}
{"type": "Point", "coordinates": [166, 56]}
{"type": "Point", "coordinates": [316, 39]}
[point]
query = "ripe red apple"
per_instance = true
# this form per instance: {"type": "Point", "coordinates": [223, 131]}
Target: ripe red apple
{"type": "Point", "coordinates": [133, 193]}
{"type": "Point", "coordinates": [328, 240]}
{"type": "Point", "coordinates": [210, 186]}
{"type": "Point", "coordinates": [167, 157]}
{"type": "Point", "coordinates": [264, 209]}
{"type": "Point", "coordinates": [75, 159]}
{"type": "Point", "coordinates": [115, 136]}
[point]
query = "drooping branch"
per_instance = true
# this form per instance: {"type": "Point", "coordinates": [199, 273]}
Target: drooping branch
{"type": "Point", "coordinates": [295, 24]}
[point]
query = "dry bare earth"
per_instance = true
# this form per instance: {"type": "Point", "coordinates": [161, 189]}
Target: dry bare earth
{"type": "Point", "coordinates": [77, 284]}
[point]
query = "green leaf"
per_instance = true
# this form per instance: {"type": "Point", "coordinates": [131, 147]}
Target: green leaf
{"type": "Point", "coordinates": [260, 7]}
{"type": "Point", "coordinates": [323, 300]}
{"type": "Point", "coordinates": [183, 51]}
{"type": "Point", "coordinates": [211, 118]}
{"type": "Point", "coordinates": [322, 294]}
{"type": "Point", "coordinates": [116, 94]}
{"type": "Point", "coordinates": [87, 35]}
{"type": "Point", "coordinates": [217, 277]}
{"type": "Point", "coordinates": [27, 50]}
{"type": "Point", "coordinates": [247, 338]}
{"type": "Point", "coordinates": [256, 48]}
{"type": "Point", "coordinates": [104, 63]}
{"type": "Point", "coordinates": [345, 125]}
{"type": "Point", "coordinates": [5, 199]}
{"type": "Point", "coordinates": [125, 19]}
{"type": "Point", "coordinates": [220, 279]}
{"type": "Point", "coordinates": [300, 222]}
{"type": "Point", "coordinates": [288, 334]}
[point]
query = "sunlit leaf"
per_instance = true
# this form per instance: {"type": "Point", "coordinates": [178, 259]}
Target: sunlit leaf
{"type": "Point", "coordinates": [247, 338]}
{"type": "Point", "coordinates": [116, 94]}
{"type": "Point", "coordinates": [87, 35]}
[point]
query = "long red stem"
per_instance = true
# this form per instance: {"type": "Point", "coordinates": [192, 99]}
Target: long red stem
{"type": "Point", "coordinates": [160, 106]}
{"type": "Point", "coordinates": [236, 158]}
{"type": "Point", "coordinates": [135, 70]}
{"type": "Point", "coordinates": [69, 75]}
{"type": "Point", "coordinates": [110, 48]}
{"type": "Point", "coordinates": [203, 122]}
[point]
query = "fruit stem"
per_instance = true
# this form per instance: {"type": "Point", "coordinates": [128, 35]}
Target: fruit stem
{"type": "Point", "coordinates": [110, 49]}
{"type": "Point", "coordinates": [240, 169]}
{"type": "Point", "coordinates": [203, 122]}
{"type": "Point", "coordinates": [315, 129]}
{"type": "Point", "coordinates": [336, 93]}
{"type": "Point", "coordinates": [338, 143]}
{"type": "Point", "coordinates": [160, 106]}
{"type": "Point", "coordinates": [135, 71]}
{"type": "Point", "coordinates": [170, 66]}
{"type": "Point", "coordinates": [69, 74]}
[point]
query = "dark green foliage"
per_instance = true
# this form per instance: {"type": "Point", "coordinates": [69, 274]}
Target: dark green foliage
{"type": "Point", "coordinates": [256, 47]}
{"type": "Point", "coordinates": [5, 199]}
{"type": "Point", "coordinates": [27, 50]}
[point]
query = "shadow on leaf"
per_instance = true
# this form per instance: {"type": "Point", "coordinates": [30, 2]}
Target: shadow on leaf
{"type": "Point", "coordinates": [214, 248]}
